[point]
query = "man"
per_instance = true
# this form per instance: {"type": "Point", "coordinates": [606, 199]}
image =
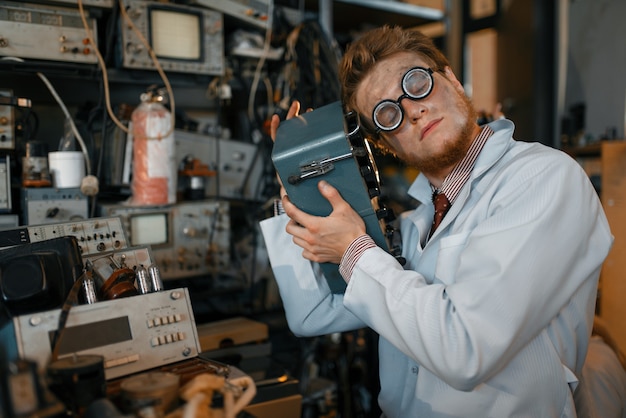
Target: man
{"type": "Point", "coordinates": [492, 312]}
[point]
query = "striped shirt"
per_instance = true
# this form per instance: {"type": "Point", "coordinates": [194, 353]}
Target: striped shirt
{"type": "Point", "coordinates": [454, 182]}
{"type": "Point", "coordinates": [451, 187]}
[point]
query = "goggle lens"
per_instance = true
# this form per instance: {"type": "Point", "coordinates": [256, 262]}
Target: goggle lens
{"type": "Point", "coordinates": [417, 83]}
{"type": "Point", "coordinates": [388, 115]}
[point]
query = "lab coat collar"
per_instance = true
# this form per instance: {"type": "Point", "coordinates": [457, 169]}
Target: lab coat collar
{"type": "Point", "coordinates": [495, 148]}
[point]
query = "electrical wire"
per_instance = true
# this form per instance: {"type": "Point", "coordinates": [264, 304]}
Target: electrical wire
{"type": "Point", "coordinates": [105, 80]}
{"type": "Point", "coordinates": [257, 73]}
{"type": "Point", "coordinates": [77, 134]}
{"type": "Point", "coordinates": [69, 118]}
{"type": "Point", "coordinates": [105, 77]}
{"type": "Point", "coordinates": [270, 93]}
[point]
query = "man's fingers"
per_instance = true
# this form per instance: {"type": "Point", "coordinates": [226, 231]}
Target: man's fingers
{"type": "Point", "coordinates": [274, 122]}
{"type": "Point", "coordinates": [330, 193]}
{"type": "Point", "coordinates": [300, 217]}
{"type": "Point", "coordinates": [294, 109]}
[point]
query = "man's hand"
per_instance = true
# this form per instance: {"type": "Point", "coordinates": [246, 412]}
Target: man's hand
{"type": "Point", "coordinates": [324, 239]}
{"type": "Point", "coordinates": [294, 110]}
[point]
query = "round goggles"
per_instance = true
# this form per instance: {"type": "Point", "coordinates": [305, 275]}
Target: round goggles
{"type": "Point", "coordinates": [417, 83]}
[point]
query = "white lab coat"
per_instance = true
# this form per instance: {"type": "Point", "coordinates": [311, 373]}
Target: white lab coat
{"type": "Point", "coordinates": [492, 316]}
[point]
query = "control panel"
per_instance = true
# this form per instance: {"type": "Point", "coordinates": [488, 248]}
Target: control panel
{"type": "Point", "coordinates": [45, 32]}
{"type": "Point", "coordinates": [95, 236]}
{"type": "Point", "coordinates": [7, 122]}
{"type": "Point", "coordinates": [51, 205]}
{"type": "Point", "coordinates": [238, 164]}
{"type": "Point", "coordinates": [253, 12]}
{"type": "Point", "coordinates": [133, 334]}
{"type": "Point", "coordinates": [106, 4]}
{"type": "Point", "coordinates": [187, 239]}
{"type": "Point", "coordinates": [5, 184]}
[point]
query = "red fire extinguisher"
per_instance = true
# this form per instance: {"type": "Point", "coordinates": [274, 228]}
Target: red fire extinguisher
{"type": "Point", "coordinates": [154, 169]}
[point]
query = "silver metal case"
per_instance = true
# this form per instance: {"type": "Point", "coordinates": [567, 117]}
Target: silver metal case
{"type": "Point", "coordinates": [133, 334]}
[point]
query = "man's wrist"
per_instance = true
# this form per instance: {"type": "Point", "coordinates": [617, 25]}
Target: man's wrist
{"type": "Point", "coordinates": [278, 207]}
{"type": "Point", "coordinates": [352, 255]}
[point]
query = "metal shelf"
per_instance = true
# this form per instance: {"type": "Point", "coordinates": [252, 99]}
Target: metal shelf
{"type": "Point", "coordinates": [391, 6]}
{"type": "Point", "coordinates": [340, 18]}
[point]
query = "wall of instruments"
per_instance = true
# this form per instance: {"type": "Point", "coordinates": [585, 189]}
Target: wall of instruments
{"type": "Point", "coordinates": [187, 239]}
{"type": "Point", "coordinates": [108, 321]}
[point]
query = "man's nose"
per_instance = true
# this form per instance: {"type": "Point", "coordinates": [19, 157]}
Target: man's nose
{"type": "Point", "coordinates": [413, 109]}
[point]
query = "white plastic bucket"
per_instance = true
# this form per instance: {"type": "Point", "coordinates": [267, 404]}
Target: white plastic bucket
{"type": "Point", "coordinates": [67, 168]}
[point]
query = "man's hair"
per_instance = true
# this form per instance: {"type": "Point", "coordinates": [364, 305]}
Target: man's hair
{"type": "Point", "coordinates": [376, 45]}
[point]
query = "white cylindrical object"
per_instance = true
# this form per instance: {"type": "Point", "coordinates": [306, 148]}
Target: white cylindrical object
{"type": "Point", "coordinates": [143, 280]}
{"type": "Point", "coordinates": [155, 278]}
{"type": "Point", "coordinates": [89, 291]}
{"type": "Point", "coordinates": [67, 168]}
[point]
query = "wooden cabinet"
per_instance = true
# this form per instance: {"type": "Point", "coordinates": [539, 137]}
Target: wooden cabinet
{"type": "Point", "coordinates": [607, 161]}
{"type": "Point", "coordinates": [612, 296]}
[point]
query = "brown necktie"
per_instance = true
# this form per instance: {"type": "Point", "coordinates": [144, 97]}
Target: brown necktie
{"type": "Point", "coordinates": [442, 204]}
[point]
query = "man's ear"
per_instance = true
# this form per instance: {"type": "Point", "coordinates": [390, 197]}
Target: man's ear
{"type": "Point", "coordinates": [455, 82]}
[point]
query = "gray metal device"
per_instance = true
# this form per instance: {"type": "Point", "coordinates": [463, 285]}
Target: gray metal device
{"type": "Point", "coordinates": [95, 235]}
{"type": "Point", "coordinates": [253, 12]}
{"type": "Point", "coordinates": [327, 144]}
{"type": "Point", "coordinates": [183, 39]}
{"type": "Point", "coordinates": [7, 121]}
{"type": "Point", "coordinates": [5, 184]}
{"type": "Point", "coordinates": [45, 32]}
{"type": "Point", "coordinates": [42, 205]}
{"type": "Point", "coordinates": [188, 239]}
{"type": "Point", "coordinates": [105, 4]}
{"type": "Point", "coordinates": [133, 334]}
{"type": "Point", "coordinates": [238, 165]}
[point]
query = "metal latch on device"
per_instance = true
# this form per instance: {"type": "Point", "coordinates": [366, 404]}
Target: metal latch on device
{"type": "Point", "coordinates": [320, 167]}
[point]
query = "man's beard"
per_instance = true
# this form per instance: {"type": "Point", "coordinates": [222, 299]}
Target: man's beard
{"type": "Point", "coordinates": [454, 149]}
